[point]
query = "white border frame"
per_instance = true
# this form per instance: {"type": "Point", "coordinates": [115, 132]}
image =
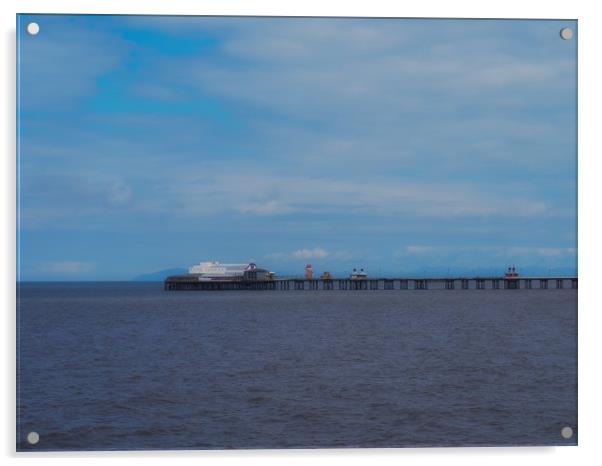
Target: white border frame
{"type": "Point", "coordinates": [590, 77]}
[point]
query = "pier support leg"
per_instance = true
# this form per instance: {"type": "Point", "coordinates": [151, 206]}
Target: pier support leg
{"type": "Point", "coordinates": [511, 284]}
{"type": "Point", "coordinates": [420, 285]}
{"type": "Point", "coordinates": [543, 284]}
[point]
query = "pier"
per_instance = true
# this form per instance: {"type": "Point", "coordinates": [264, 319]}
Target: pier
{"type": "Point", "coordinates": [191, 282]}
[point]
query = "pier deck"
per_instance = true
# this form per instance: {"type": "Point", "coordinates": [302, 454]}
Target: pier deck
{"type": "Point", "coordinates": [185, 282]}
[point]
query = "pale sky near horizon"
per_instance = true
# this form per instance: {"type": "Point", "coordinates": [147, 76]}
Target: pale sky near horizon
{"type": "Point", "coordinates": [397, 145]}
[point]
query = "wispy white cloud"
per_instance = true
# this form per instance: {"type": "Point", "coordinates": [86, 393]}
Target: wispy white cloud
{"type": "Point", "coordinates": [276, 195]}
{"type": "Point", "coordinates": [417, 249]}
{"type": "Point", "coordinates": [311, 253]}
{"type": "Point", "coordinates": [269, 207]}
{"type": "Point", "coordinates": [317, 253]}
{"type": "Point", "coordinates": [335, 66]}
{"type": "Point", "coordinates": [540, 251]}
{"type": "Point", "coordinates": [117, 192]}
{"type": "Point", "coordinates": [156, 91]}
{"type": "Point", "coordinates": [55, 198]}
{"type": "Point", "coordinates": [493, 251]}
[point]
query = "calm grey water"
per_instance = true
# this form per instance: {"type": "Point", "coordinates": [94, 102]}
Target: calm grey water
{"type": "Point", "coordinates": [130, 366]}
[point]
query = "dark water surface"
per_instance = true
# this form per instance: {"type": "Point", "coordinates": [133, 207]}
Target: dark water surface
{"type": "Point", "coordinates": [130, 366]}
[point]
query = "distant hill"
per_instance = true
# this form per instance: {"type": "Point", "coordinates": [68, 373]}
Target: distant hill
{"type": "Point", "coordinates": [159, 276]}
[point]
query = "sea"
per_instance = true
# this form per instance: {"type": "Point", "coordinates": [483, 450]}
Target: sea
{"type": "Point", "coordinates": [129, 366]}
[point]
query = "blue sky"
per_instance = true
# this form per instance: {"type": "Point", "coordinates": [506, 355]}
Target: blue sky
{"type": "Point", "coordinates": [400, 146]}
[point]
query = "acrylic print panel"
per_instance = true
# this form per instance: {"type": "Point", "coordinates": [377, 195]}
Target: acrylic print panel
{"type": "Point", "coordinates": [246, 232]}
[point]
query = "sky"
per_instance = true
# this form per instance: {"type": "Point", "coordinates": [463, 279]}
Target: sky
{"type": "Point", "coordinates": [402, 146]}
